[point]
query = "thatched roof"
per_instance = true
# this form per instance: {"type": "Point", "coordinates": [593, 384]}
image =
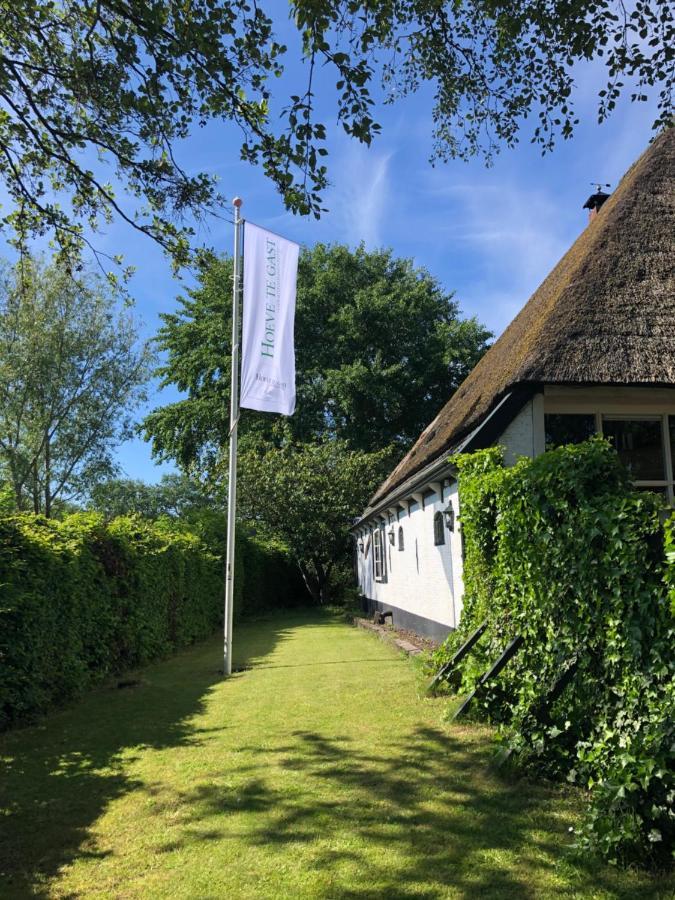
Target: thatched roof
{"type": "Point", "coordinates": [604, 315]}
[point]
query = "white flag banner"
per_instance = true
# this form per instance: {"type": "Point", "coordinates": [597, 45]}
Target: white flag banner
{"type": "Point", "coordinates": [268, 351]}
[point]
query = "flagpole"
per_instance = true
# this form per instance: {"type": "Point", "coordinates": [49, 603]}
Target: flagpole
{"type": "Point", "coordinates": [234, 424]}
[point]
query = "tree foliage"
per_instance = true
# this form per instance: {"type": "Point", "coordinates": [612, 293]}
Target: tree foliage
{"type": "Point", "coordinates": [175, 495]}
{"type": "Point", "coordinates": [97, 95]}
{"type": "Point", "coordinates": [491, 65]}
{"type": "Point", "coordinates": [306, 495]}
{"type": "Point", "coordinates": [96, 91]}
{"type": "Point", "coordinates": [71, 373]}
{"type": "Point", "coordinates": [380, 348]}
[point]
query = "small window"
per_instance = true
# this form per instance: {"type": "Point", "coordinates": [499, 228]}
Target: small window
{"type": "Point", "coordinates": [400, 537]}
{"type": "Point", "coordinates": [378, 555]}
{"type": "Point", "coordinates": [568, 428]}
{"type": "Point", "coordinates": [439, 533]}
{"type": "Point", "coordinates": [639, 443]}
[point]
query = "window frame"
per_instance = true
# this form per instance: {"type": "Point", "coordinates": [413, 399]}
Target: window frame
{"type": "Point", "coordinates": [631, 407]}
{"type": "Point", "coordinates": [588, 414]}
{"type": "Point", "coordinates": [663, 418]}
{"type": "Point", "coordinates": [439, 529]}
{"type": "Point", "coordinates": [379, 555]}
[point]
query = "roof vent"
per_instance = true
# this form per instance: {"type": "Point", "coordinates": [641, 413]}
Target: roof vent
{"type": "Point", "coordinates": [596, 200]}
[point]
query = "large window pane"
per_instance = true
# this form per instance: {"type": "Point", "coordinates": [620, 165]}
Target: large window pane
{"type": "Point", "coordinates": [671, 419]}
{"type": "Point", "coordinates": [639, 443]}
{"type": "Point", "coordinates": [568, 428]}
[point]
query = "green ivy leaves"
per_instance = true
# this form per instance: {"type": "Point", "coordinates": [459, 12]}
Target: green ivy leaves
{"type": "Point", "coordinates": [561, 550]}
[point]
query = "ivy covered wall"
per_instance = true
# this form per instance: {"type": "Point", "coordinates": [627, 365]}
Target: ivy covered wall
{"type": "Point", "coordinates": [562, 552]}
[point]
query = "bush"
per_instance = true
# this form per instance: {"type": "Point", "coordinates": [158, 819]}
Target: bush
{"type": "Point", "coordinates": [561, 551]}
{"type": "Point", "coordinates": [81, 599]}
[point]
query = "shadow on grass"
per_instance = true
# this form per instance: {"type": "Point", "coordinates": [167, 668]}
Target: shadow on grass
{"type": "Point", "coordinates": [421, 816]}
{"type": "Point", "coordinates": [58, 776]}
{"type": "Point", "coordinates": [416, 815]}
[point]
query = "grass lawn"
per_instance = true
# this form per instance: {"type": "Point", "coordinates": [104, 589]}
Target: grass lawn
{"type": "Point", "coordinates": [319, 772]}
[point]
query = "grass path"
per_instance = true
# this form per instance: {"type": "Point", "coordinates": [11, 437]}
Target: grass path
{"type": "Point", "coordinates": [318, 773]}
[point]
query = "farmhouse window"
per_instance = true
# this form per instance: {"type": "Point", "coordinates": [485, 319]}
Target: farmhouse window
{"type": "Point", "coordinates": [568, 428]}
{"type": "Point", "coordinates": [639, 443]}
{"type": "Point", "coordinates": [400, 537]}
{"type": "Point", "coordinates": [645, 445]}
{"type": "Point", "coordinates": [644, 440]}
{"type": "Point", "coordinates": [378, 555]}
{"type": "Point", "coordinates": [439, 532]}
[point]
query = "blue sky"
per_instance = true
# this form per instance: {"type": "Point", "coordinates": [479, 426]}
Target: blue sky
{"type": "Point", "coordinates": [491, 235]}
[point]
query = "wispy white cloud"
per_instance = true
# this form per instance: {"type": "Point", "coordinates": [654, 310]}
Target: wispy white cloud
{"type": "Point", "coordinates": [360, 196]}
{"type": "Point", "coordinates": [499, 237]}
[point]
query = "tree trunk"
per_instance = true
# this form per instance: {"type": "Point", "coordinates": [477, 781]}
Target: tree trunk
{"type": "Point", "coordinates": [48, 496]}
{"type": "Point", "coordinates": [316, 578]}
{"type": "Point", "coordinates": [322, 579]}
{"type": "Point", "coordinates": [36, 490]}
{"type": "Point", "coordinates": [311, 583]}
{"type": "Point", "coordinates": [17, 485]}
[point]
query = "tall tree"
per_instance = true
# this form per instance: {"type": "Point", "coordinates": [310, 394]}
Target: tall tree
{"type": "Point", "coordinates": [380, 348]}
{"type": "Point", "coordinates": [71, 373]}
{"type": "Point", "coordinates": [102, 91]}
{"type": "Point", "coordinates": [306, 495]}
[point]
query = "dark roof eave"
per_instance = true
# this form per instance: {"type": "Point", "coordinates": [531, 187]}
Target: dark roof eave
{"type": "Point", "coordinates": [484, 434]}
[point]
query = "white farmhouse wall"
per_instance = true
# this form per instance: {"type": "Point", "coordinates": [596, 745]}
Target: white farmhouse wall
{"type": "Point", "coordinates": [426, 580]}
{"type": "Point", "coordinates": [423, 579]}
{"type": "Point", "coordinates": [518, 438]}
{"type": "Point", "coordinates": [456, 550]}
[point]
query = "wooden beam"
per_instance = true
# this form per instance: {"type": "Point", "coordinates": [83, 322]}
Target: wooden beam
{"type": "Point", "coordinates": [542, 710]}
{"type": "Point", "coordinates": [466, 647]}
{"type": "Point", "coordinates": [491, 673]}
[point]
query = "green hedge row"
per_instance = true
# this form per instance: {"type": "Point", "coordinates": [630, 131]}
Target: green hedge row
{"type": "Point", "coordinates": [561, 551]}
{"type": "Point", "coordinates": [82, 598]}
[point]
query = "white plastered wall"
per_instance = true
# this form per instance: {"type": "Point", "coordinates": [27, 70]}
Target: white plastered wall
{"type": "Point", "coordinates": [524, 435]}
{"type": "Point", "coordinates": [425, 579]}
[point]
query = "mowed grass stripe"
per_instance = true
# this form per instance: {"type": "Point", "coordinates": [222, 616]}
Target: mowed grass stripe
{"type": "Point", "coordinates": [318, 772]}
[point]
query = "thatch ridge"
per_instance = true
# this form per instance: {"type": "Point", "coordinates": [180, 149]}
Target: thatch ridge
{"type": "Point", "coordinates": [604, 315]}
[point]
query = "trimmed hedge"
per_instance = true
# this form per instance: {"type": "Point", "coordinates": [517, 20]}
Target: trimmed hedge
{"type": "Point", "coordinates": [561, 551]}
{"type": "Point", "coordinates": [271, 580]}
{"type": "Point", "coordinates": [81, 599]}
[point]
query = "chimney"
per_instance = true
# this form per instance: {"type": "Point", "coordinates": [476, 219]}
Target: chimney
{"type": "Point", "coordinates": [595, 201]}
